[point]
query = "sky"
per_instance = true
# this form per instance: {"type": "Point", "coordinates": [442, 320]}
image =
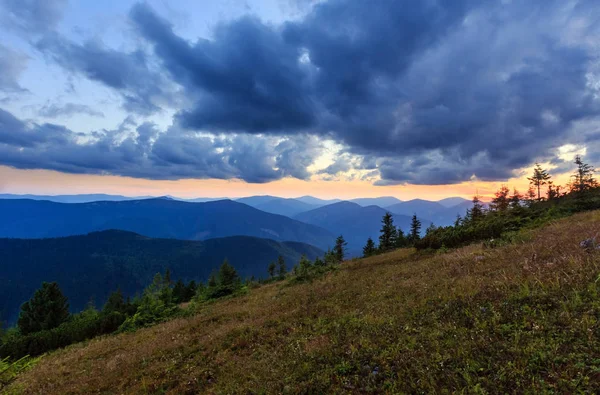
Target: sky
{"type": "Point", "coordinates": [331, 98]}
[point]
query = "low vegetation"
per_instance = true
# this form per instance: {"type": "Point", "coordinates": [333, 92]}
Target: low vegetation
{"type": "Point", "coordinates": [519, 317]}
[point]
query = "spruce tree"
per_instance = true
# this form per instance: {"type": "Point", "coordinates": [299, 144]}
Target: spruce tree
{"type": "Point", "coordinates": [415, 229]}
{"type": "Point", "coordinates": [476, 212]}
{"type": "Point", "coordinates": [190, 290]}
{"type": "Point", "coordinates": [501, 201]}
{"type": "Point", "coordinates": [271, 269]}
{"type": "Point", "coordinates": [430, 229]}
{"type": "Point", "coordinates": [228, 278]}
{"type": "Point", "coordinates": [583, 179]}
{"type": "Point", "coordinates": [539, 178]}
{"type": "Point", "coordinates": [340, 248]}
{"type": "Point", "coordinates": [515, 199]}
{"type": "Point", "coordinates": [179, 292]}
{"type": "Point", "coordinates": [388, 233]}
{"type": "Point", "coordinates": [401, 240]}
{"type": "Point", "coordinates": [281, 266]}
{"type": "Point", "coordinates": [369, 248]}
{"type": "Point", "coordinates": [47, 309]}
{"type": "Point", "coordinates": [115, 302]}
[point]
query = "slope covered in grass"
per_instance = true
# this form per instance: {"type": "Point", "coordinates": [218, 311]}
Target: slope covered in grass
{"type": "Point", "coordinates": [518, 318]}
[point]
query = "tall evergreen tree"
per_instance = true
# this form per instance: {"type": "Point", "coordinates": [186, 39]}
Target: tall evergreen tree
{"type": "Point", "coordinates": [501, 200]}
{"type": "Point", "coordinates": [583, 179]}
{"type": "Point", "coordinates": [476, 212]}
{"type": "Point", "coordinates": [400, 240]}
{"type": "Point", "coordinates": [415, 229]}
{"type": "Point", "coordinates": [190, 290]}
{"type": "Point", "coordinates": [388, 233]}
{"type": "Point", "coordinates": [179, 292]}
{"type": "Point", "coordinates": [228, 277]}
{"type": "Point", "coordinates": [515, 199]}
{"type": "Point", "coordinates": [339, 250]}
{"type": "Point", "coordinates": [115, 302]}
{"type": "Point", "coordinates": [369, 248]}
{"type": "Point", "coordinates": [539, 178]}
{"type": "Point", "coordinates": [271, 269]}
{"type": "Point", "coordinates": [47, 309]}
{"type": "Point", "coordinates": [281, 266]}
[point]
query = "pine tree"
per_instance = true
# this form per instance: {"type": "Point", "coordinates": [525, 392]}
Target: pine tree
{"type": "Point", "coordinates": [501, 201]}
{"type": "Point", "coordinates": [47, 309]}
{"type": "Point", "coordinates": [430, 229]}
{"type": "Point", "coordinates": [539, 178]}
{"type": "Point", "coordinates": [369, 248]}
{"type": "Point", "coordinates": [340, 249]}
{"type": "Point", "coordinates": [476, 212]}
{"type": "Point", "coordinates": [228, 277]}
{"type": "Point", "coordinates": [179, 292]}
{"type": "Point", "coordinates": [583, 179]}
{"type": "Point", "coordinates": [281, 265]}
{"type": "Point", "coordinates": [387, 238]}
{"type": "Point", "coordinates": [190, 291]}
{"type": "Point", "coordinates": [415, 229]}
{"type": "Point", "coordinates": [115, 302]}
{"type": "Point", "coordinates": [458, 221]}
{"type": "Point", "coordinates": [271, 269]}
{"type": "Point", "coordinates": [553, 191]}
{"type": "Point", "coordinates": [401, 240]}
{"type": "Point", "coordinates": [515, 199]}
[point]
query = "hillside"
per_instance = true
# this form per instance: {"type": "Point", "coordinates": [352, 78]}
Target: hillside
{"type": "Point", "coordinates": [160, 218]}
{"type": "Point", "coordinates": [514, 319]}
{"type": "Point", "coordinates": [354, 222]}
{"type": "Point", "coordinates": [435, 212]}
{"type": "Point", "coordinates": [90, 267]}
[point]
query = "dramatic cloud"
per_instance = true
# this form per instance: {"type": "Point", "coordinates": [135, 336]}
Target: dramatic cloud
{"type": "Point", "coordinates": [53, 110]}
{"type": "Point", "coordinates": [145, 152]}
{"type": "Point", "coordinates": [144, 90]}
{"type": "Point", "coordinates": [31, 16]}
{"type": "Point", "coordinates": [424, 92]}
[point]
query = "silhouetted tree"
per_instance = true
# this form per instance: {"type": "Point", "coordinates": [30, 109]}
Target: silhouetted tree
{"type": "Point", "coordinates": [415, 229]}
{"type": "Point", "coordinates": [369, 248]}
{"type": "Point", "coordinates": [179, 292]}
{"type": "Point", "coordinates": [190, 290]}
{"type": "Point", "coordinates": [47, 309]}
{"type": "Point", "coordinates": [476, 212]}
{"type": "Point", "coordinates": [553, 191]}
{"type": "Point", "coordinates": [281, 266]}
{"type": "Point", "coordinates": [340, 248]}
{"type": "Point", "coordinates": [515, 199]}
{"type": "Point", "coordinates": [401, 240]}
{"type": "Point", "coordinates": [583, 179]}
{"type": "Point", "coordinates": [388, 233]}
{"type": "Point", "coordinates": [540, 177]}
{"type": "Point", "coordinates": [501, 201]}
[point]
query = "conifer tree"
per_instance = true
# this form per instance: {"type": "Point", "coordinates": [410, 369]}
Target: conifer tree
{"type": "Point", "coordinates": [458, 221]}
{"type": "Point", "coordinates": [400, 240]}
{"type": "Point", "coordinates": [539, 178]}
{"type": "Point", "coordinates": [190, 290]}
{"type": "Point", "coordinates": [583, 179]}
{"type": "Point", "coordinates": [553, 191]}
{"type": "Point", "coordinates": [228, 277]}
{"type": "Point", "coordinates": [47, 309]}
{"type": "Point", "coordinates": [388, 233]}
{"type": "Point", "coordinates": [369, 248]}
{"type": "Point", "coordinates": [281, 265]}
{"type": "Point", "coordinates": [415, 229]}
{"type": "Point", "coordinates": [430, 229]}
{"type": "Point", "coordinates": [179, 292]}
{"type": "Point", "coordinates": [476, 212]}
{"type": "Point", "coordinates": [272, 268]}
{"type": "Point", "coordinates": [115, 302]}
{"type": "Point", "coordinates": [501, 201]}
{"type": "Point", "coordinates": [515, 199]}
{"type": "Point", "coordinates": [340, 248]}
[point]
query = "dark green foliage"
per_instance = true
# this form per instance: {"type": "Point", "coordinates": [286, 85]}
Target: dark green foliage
{"type": "Point", "coordinates": [369, 248]}
{"type": "Point", "coordinates": [225, 283]}
{"type": "Point", "coordinates": [496, 223]}
{"type": "Point", "coordinates": [271, 269]}
{"type": "Point", "coordinates": [94, 265]}
{"type": "Point", "coordinates": [179, 292]}
{"type": "Point", "coordinates": [116, 303]}
{"type": "Point", "coordinates": [501, 201]}
{"type": "Point", "coordinates": [415, 229]}
{"type": "Point", "coordinates": [282, 270]}
{"type": "Point", "coordinates": [339, 250]}
{"type": "Point", "coordinates": [401, 240]}
{"type": "Point", "coordinates": [387, 238]}
{"type": "Point", "coordinates": [47, 309]}
{"type": "Point", "coordinates": [80, 327]}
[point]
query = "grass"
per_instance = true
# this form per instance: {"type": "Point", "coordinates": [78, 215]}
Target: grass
{"type": "Point", "coordinates": [521, 317]}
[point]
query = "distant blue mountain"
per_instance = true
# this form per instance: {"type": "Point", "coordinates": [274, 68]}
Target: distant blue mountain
{"type": "Point", "coordinates": [154, 218]}
{"type": "Point", "coordinates": [383, 201]}
{"type": "Point", "coordinates": [354, 222]}
{"type": "Point", "coordinates": [316, 201]}
{"type": "Point", "coordinates": [435, 212]}
{"type": "Point", "coordinates": [287, 207]}
{"type": "Point", "coordinates": [452, 201]}
{"type": "Point", "coordinates": [85, 198]}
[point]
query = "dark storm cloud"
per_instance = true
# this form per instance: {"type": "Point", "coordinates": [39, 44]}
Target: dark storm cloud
{"type": "Point", "coordinates": [31, 16]}
{"type": "Point", "coordinates": [145, 152]}
{"type": "Point", "coordinates": [480, 89]}
{"type": "Point", "coordinates": [425, 92]}
{"type": "Point", "coordinates": [143, 89]}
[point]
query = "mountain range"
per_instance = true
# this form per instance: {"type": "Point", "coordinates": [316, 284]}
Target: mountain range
{"type": "Point", "coordinates": [154, 218]}
{"type": "Point", "coordinates": [89, 267]}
